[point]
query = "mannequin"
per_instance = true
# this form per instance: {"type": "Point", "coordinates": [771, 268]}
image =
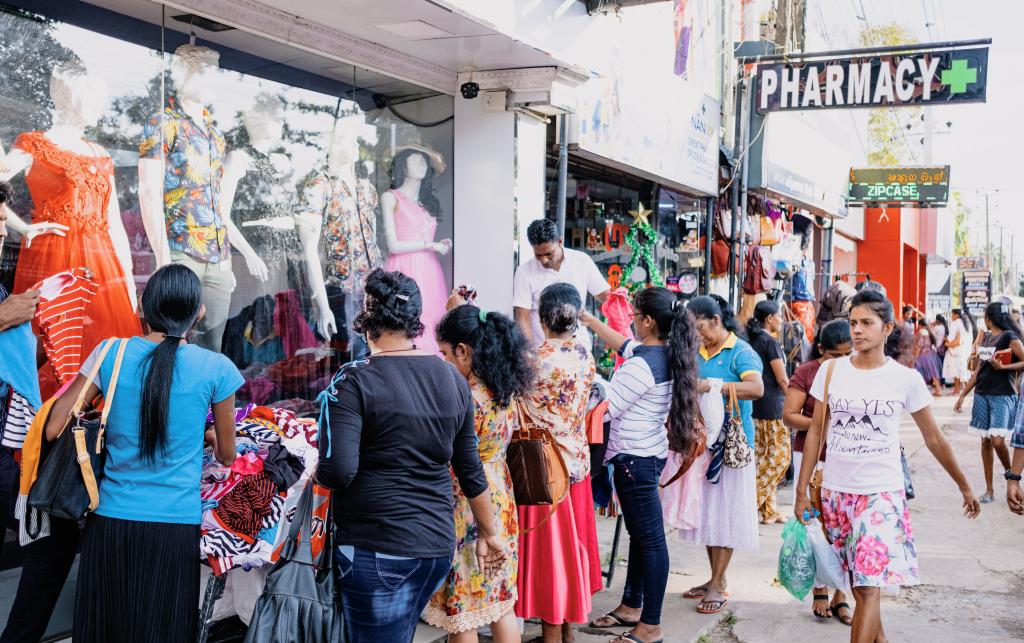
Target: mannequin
{"type": "Point", "coordinates": [184, 151]}
{"type": "Point", "coordinates": [409, 212]}
{"type": "Point", "coordinates": [264, 175]}
{"type": "Point", "coordinates": [76, 218]}
{"type": "Point", "coordinates": [341, 208]}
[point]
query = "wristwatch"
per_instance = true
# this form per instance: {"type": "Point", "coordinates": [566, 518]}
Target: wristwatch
{"type": "Point", "coordinates": [1010, 475]}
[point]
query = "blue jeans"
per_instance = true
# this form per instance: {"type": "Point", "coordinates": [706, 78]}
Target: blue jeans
{"type": "Point", "coordinates": [382, 596]}
{"type": "Point", "coordinates": [636, 483]}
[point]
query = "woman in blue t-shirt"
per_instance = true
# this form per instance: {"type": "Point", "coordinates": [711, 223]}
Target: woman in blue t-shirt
{"type": "Point", "coordinates": [729, 508]}
{"type": "Point", "coordinates": [138, 578]}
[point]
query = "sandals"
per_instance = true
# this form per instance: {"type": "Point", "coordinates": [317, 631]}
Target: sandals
{"type": "Point", "coordinates": [629, 637]}
{"type": "Point", "coordinates": [828, 610]}
{"type": "Point", "coordinates": [719, 605]}
{"type": "Point", "coordinates": [619, 621]}
{"type": "Point", "coordinates": [699, 592]}
{"type": "Point", "coordinates": [845, 620]}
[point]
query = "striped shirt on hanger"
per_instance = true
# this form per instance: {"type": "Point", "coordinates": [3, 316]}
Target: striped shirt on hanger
{"type": "Point", "coordinates": [61, 318]}
{"type": "Point", "coordinates": [639, 397]}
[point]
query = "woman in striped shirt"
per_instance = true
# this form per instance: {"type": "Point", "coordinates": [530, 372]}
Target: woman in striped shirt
{"type": "Point", "coordinates": [654, 389]}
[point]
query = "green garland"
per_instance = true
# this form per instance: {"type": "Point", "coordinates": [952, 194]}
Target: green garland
{"type": "Point", "coordinates": [641, 251]}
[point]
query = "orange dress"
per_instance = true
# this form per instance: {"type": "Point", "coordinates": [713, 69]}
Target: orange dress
{"type": "Point", "coordinates": [74, 190]}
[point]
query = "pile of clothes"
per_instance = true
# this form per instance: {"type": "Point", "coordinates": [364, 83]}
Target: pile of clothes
{"type": "Point", "coordinates": [247, 507]}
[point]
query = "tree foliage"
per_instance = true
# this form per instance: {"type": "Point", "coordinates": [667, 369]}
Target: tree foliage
{"type": "Point", "coordinates": [885, 131]}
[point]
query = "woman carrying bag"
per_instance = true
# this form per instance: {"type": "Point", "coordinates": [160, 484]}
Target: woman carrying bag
{"type": "Point", "coordinates": [653, 408]}
{"type": "Point", "coordinates": [138, 578]}
{"type": "Point", "coordinates": [729, 510]}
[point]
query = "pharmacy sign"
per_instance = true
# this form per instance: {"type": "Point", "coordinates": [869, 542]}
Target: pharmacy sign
{"type": "Point", "coordinates": [936, 76]}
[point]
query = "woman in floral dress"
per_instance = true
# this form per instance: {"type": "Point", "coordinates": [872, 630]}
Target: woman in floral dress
{"type": "Point", "coordinates": [491, 353]}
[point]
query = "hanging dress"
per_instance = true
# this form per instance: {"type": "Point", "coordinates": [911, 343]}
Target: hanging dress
{"type": "Point", "coordinates": [74, 190]}
{"type": "Point", "coordinates": [414, 223]}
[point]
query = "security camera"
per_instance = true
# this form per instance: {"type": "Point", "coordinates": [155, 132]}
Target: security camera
{"type": "Point", "coordinates": [469, 90]}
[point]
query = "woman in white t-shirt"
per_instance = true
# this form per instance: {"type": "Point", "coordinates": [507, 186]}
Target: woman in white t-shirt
{"type": "Point", "coordinates": [863, 499]}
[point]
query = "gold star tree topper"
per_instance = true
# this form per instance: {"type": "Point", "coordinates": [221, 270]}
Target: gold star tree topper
{"type": "Point", "coordinates": [640, 215]}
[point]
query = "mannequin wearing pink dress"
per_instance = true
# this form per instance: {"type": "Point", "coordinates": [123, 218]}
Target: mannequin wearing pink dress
{"type": "Point", "coordinates": [410, 229]}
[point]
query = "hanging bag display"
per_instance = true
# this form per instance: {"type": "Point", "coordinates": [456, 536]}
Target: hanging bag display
{"type": "Point", "coordinates": [736, 452]}
{"type": "Point", "coordinates": [300, 599]}
{"type": "Point", "coordinates": [68, 482]}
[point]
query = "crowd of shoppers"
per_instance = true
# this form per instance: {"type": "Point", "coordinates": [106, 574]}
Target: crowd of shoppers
{"type": "Point", "coordinates": [414, 449]}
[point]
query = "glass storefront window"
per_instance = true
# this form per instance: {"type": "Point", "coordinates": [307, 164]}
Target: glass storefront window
{"type": "Point", "coordinates": [281, 183]}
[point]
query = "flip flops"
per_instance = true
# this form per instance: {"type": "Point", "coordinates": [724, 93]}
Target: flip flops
{"type": "Point", "coordinates": [619, 621]}
{"type": "Point", "coordinates": [699, 592]}
{"type": "Point", "coordinates": [845, 620]}
{"type": "Point", "coordinates": [629, 636]}
{"type": "Point", "coordinates": [719, 605]}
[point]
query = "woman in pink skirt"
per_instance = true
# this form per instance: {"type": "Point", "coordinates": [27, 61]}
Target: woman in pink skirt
{"type": "Point", "coordinates": [559, 562]}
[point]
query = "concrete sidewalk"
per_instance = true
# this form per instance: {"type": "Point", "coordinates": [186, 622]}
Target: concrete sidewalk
{"type": "Point", "coordinates": [973, 571]}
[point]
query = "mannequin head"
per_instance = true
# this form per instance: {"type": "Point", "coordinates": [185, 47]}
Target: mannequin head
{"type": "Point", "coordinates": [263, 122]}
{"type": "Point", "coordinates": [342, 147]}
{"type": "Point", "coordinates": [194, 73]}
{"type": "Point", "coordinates": [413, 164]}
{"type": "Point", "coordinates": [78, 98]}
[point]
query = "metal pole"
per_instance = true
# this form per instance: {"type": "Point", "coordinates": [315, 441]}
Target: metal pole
{"type": "Point", "coordinates": [743, 195]}
{"type": "Point", "coordinates": [737, 155]}
{"type": "Point", "coordinates": [988, 237]}
{"type": "Point", "coordinates": [863, 51]}
{"type": "Point", "coordinates": [828, 255]}
{"type": "Point", "coordinates": [708, 227]}
{"type": "Point", "coordinates": [1002, 262]}
{"type": "Point", "coordinates": [563, 173]}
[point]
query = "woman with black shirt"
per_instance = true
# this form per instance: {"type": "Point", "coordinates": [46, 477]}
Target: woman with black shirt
{"type": "Point", "coordinates": [1002, 358]}
{"type": "Point", "coordinates": [393, 424]}
{"type": "Point", "coordinates": [771, 437]}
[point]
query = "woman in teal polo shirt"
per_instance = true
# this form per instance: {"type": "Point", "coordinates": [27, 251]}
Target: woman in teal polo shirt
{"type": "Point", "coordinates": [729, 508]}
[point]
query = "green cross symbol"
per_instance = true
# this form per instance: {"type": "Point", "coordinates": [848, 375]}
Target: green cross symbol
{"type": "Point", "coordinates": [958, 76]}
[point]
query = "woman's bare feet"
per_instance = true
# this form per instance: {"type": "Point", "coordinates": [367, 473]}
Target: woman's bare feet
{"type": "Point", "coordinates": [821, 607]}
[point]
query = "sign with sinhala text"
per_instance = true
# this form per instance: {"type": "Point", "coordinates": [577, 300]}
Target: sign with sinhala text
{"type": "Point", "coordinates": [899, 185]}
{"type": "Point", "coordinates": [971, 263]}
{"type": "Point", "coordinates": [909, 79]}
{"type": "Point", "coordinates": [976, 291]}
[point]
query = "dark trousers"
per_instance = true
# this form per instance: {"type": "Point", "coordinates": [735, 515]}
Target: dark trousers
{"type": "Point", "coordinates": [382, 597]}
{"type": "Point", "coordinates": [45, 569]}
{"type": "Point", "coordinates": [636, 483]}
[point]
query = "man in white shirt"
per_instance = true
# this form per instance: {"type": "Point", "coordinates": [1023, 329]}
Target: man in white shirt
{"type": "Point", "coordinates": [552, 263]}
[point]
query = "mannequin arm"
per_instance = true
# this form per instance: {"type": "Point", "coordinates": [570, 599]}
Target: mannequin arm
{"type": "Point", "coordinates": [119, 239]}
{"type": "Point", "coordinates": [309, 226]}
{"type": "Point", "coordinates": [235, 167]}
{"type": "Point", "coordinates": [151, 206]}
{"type": "Point", "coordinates": [388, 202]}
{"type": "Point", "coordinates": [32, 230]}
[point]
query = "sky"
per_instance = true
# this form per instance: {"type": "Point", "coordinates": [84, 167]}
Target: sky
{"type": "Point", "coordinates": [983, 144]}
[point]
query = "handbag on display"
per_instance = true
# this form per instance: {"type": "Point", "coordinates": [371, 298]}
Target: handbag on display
{"type": "Point", "coordinates": [736, 452]}
{"type": "Point", "coordinates": [299, 600]}
{"type": "Point", "coordinates": [771, 231]}
{"type": "Point", "coordinates": [68, 482]}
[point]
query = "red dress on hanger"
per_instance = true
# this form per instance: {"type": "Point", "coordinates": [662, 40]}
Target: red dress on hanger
{"type": "Point", "coordinates": [74, 190]}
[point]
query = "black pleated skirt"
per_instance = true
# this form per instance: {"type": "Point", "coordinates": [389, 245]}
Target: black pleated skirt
{"type": "Point", "coordinates": [137, 581]}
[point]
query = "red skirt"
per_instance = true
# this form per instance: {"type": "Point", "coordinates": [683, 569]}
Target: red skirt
{"type": "Point", "coordinates": [559, 563]}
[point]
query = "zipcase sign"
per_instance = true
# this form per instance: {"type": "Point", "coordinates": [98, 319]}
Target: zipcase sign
{"type": "Point", "coordinates": [911, 79]}
{"type": "Point", "coordinates": [900, 185]}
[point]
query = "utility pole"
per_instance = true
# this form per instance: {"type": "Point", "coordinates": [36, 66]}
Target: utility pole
{"type": "Point", "coordinates": [988, 239]}
{"type": "Point", "coordinates": [1002, 262]}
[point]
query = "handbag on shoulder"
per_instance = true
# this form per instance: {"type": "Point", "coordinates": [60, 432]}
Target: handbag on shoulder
{"type": "Point", "coordinates": [299, 600]}
{"type": "Point", "coordinates": [68, 482]}
{"type": "Point", "coordinates": [539, 474]}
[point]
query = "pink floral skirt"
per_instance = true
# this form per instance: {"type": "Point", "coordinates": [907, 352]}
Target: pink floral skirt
{"type": "Point", "coordinates": [873, 536]}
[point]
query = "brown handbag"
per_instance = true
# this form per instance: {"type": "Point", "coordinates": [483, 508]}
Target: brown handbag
{"type": "Point", "coordinates": [819, 474]}
{"type": "Point", "coordinates": [539, 474]}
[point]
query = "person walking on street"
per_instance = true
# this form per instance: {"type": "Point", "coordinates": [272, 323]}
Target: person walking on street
{"type": "Point", "coordinates": [927, 360]}
{"type": "Point", "coordinates": [729, 508]}
{"type": "Point", "coordinates": [138, 577]}
{"type": "Point", "coordinates": [552, 263]}
{"type": "Point", "coordinates": [559, 559]}
{"type": "Point", "coordinates": [833, 342]}
{"type": "Point", "coordinates": [1001, 358]}
{"type": "Point", "coordinates": [771, 437]}
{"type": "Point", "coordinates": [863, 501]}
{"type": "Point", "coordinates": [958, 351]}
{"type": "Point", "coordinates": [490, 351]}
{"type": "Point", "coordinates": [652, 406]}
{"type": "Point", "coordinates": [394, 424]}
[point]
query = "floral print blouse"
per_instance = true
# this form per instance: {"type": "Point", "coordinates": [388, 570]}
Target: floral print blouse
{"type": "Point", "coordinates": [558, 399]}
{"type": "Point", "coordinates": [349, 227]}
{"type": "Point", "coordinates": [193, 157]}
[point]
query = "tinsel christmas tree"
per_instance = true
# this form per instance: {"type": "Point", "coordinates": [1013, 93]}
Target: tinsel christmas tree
{"type": "Point", "coordinates": [642, 239]}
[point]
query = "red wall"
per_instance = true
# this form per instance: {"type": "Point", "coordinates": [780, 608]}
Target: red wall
{"type": "Point", "coordinates": [894, 251]}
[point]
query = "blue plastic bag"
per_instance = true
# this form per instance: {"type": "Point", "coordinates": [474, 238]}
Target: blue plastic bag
{"type": "Point", "coordinates": [796, 559]}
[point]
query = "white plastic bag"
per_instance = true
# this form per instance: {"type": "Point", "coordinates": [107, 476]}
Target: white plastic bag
{"type": "Point", "coordinates": [828, 566]}
{"type": "Point", "coordinates": [712, 409]}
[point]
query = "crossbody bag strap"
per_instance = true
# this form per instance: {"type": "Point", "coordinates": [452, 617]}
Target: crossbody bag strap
{"type": "Point", "coordinates": [76, 408]}
{"type": "Point", "coordinates": [82, 448]}
{"type": "Point", "coordinates": [109, 398]}
{"type": "Point", "coordinates": [828, 411]}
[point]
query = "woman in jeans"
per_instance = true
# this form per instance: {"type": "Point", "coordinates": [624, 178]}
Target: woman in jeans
{"type": "Point", "coordinates": [994, 396]}
{"type": "Point", "coordinates": [864, 505]}
{"type": "Point", "coordinates": [490, 351]}
{"type": "Point", "coordinates": [729, 508]}
{"type": "Point", "coordinates": [138, 578]}
{"type": "Point", "coordinates": [652, 406]}
{"type": "Point", "coordinates": [771, 438]}
{"type": "Point", "coordinates": [833, 341]}
{"type": "Point", "coordinates": [393, 424]}
{"type": "Point", "coordinates": [559, 561]}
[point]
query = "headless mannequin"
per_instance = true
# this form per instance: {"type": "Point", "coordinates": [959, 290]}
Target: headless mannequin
{"type": "Point", "coordinates": [415, 171]}
{"type": "Point", "coordinates": [79, 101]}
{"type": "Point", "coordinates": [264, 128]}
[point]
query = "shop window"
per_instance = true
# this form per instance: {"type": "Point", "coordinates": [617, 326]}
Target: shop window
{"type": "Point", "coordinates": [281, 183]}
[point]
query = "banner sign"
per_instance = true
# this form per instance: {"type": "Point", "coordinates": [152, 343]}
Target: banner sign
{"type": "Point", "coordinates": [899, 185]}
{"type": "Point", "coordinates": [892, 80]}
{"type": "Point", "coordinates": [971, 263]}
{"type": "Point", "coordinates": [976, 291]}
